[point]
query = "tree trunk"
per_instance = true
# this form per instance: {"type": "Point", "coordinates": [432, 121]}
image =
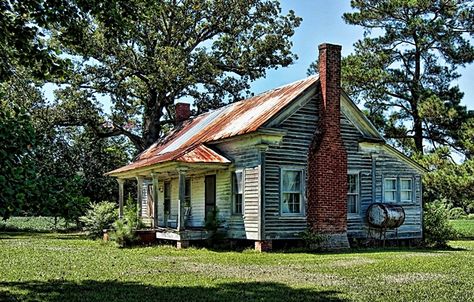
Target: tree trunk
{"type": "Point", "coordinates": [416, 93]}
{"type": "Point", "coordinates": [151, 119]}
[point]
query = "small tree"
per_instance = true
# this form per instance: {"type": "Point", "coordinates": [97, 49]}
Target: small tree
{"type": "Point", "coordinates": [98, 217]}
{"type": "Point", "coordinates": [436, 227]}
{"type": "Point", "coordinates": [124, 228]}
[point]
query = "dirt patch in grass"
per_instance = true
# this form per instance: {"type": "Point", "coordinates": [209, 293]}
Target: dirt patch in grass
{"type": "Point", "coordinates": [346, 263]}
{"type": "Point", "coordinates": [287, 274]}
{"type": "Point", "coordinates": [406, 278]}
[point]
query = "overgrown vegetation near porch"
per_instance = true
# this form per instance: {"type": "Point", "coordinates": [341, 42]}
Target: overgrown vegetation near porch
{"type": "Point", "coordinates": [66, 267]}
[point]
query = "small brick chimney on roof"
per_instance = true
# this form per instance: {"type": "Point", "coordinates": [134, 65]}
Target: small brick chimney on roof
{"type": "Point", "coordinates": [327, 158]}
{"type": "Point", "coordinates": [182, 112]}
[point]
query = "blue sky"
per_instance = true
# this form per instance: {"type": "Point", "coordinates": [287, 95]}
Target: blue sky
{"type": "Point", "coordinates": [322, 22]}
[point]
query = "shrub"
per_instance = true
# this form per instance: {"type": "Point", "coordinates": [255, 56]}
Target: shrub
{"type": "Point", "coordinates": [124, 229]}
{"type": "Point", "coordinates": [470, 216]}
{"type": "Point", "coordinates": [436, 226]}
{"type": "Point", "coordinates": [212, 221]}
{"type": "Point", "coordinates": [99, 216]}
{"type": "Point", "coordinates": [456, 213]}
{"type": "Point", "coordinates": [312, 240]}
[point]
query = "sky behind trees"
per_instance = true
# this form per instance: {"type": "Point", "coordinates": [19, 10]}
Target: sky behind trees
{"type": "Point", "coordinates": [322, 22]}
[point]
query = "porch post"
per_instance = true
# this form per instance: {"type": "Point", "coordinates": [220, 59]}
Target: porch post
{"type": "Point", "coordinates": [120, 182]}
{"type": "Point", "coordinates": [154, 176]}
{"type": "Point", "coordinates": [182, 183]}
{"type": "Point", "coordinates": [139, 194]}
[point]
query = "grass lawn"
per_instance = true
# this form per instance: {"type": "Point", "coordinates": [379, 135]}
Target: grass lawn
{"type": "Point", "coordinates": [36, 224]}
{"type": "Point", "coordinates": [66, 267]}
{"type": "Point", "coordinates": [464, 227]}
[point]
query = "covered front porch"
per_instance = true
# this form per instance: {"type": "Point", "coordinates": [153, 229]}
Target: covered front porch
{"type": "Point", "coordinates": [176, 199]}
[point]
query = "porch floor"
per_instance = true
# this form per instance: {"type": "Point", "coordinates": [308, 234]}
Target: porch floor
{"type": "Point", "coordinates": [184, 235]}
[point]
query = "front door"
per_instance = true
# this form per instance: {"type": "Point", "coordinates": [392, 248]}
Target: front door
{"type": "Point", "coordinates": [210, 196]}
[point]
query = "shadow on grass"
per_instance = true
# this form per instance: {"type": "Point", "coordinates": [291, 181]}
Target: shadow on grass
{"type": "Point", "coordinates": [115, 291]}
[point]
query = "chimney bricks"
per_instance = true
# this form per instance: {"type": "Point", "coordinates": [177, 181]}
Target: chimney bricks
{"type": "Point", "coordinates": [327, 158]}
{"type": "Point", "coordinates": [182, 112]}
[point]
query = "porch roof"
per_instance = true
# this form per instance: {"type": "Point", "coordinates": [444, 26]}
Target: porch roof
{"type": "Point", "coordinates": [195, 155]}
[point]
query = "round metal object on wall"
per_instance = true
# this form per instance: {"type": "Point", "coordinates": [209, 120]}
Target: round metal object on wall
{"type": "Point", "coordinates": [385, 215]}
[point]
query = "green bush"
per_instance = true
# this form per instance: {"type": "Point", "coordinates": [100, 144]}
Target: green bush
{"type": "Point", "coordinates": [457, 213]}
{"type": "Point", "coordinates": [436, 227]}
{"type": "Point", "coordinates": [313, 240]}
{"type": "Point", "coordinates": [212, 221]}
{"type": "Point", "coordinates": [124, 228]}
{"type": "Point", "coordinates": [470, 216]}
{"type": "Point", "coordinates": [98, 217]}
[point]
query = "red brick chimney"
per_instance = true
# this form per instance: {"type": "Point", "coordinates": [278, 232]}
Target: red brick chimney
{"type": "Point", "coordinates": [327, 158]}
{"type": "Point", "coordinates": [182, 112]}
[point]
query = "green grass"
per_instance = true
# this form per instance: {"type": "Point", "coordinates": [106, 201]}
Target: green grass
{"type": "Point", "coordinates": [66, 267]}
{"type": "Point", "coordinates": [34, 224]}
{"type": "Point", "coordinates": [464, 227]}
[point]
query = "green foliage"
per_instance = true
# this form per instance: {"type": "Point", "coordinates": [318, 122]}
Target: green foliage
{"type": "Point", "coordinates": [464, 227]}
{"type": "Point", "coordinates": [147, 54]}
{"type": "Point", "coordinates": [124, 228]}
{"type": "Point", "coordinates": [313, 240]}
{"type": "Point", "coordinates": [404, 68]}
{"type": "Point", "coordinates": [456, 213]}
{"type": "Point", "coordinates": [98, 217]}
{"type": "Point", "coordinates": [17, 168]}
{"type": "Point", "coordinates": [35, 224]}
{"type": "Point", "coordinates": [212, 221]}
{"type": "Point", "coordinates": [448, 180]}
{"type": "Point", "coordinates": [436, 227]}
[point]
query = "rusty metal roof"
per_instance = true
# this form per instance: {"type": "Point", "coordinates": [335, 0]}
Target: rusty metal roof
{"type": "Point", "coordinates": [186, 143]}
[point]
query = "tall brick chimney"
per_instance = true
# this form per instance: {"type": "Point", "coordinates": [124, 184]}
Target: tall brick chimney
{"type": "Point", "coordinates": [327, 158]}
{"type": "Point", "coordinates": [182, 112]}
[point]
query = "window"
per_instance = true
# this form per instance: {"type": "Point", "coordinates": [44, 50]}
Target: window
{"type": "Point", "coordinates": [398, 189]}
{"type": "Point", "coordinates": [237, 192]}
{"type": "Point", "coordinates": [291, 191]}
{"type": "Point", "coordinates": [406, 189]}
{"type": "Point", "coordinates": [353, 193]}
{"type": "Point", "coordinates": [167, 197]}
{"type": "Point", "coordinates": [187, 193]}
{"type": "Point", "coordinates": [390, 190]}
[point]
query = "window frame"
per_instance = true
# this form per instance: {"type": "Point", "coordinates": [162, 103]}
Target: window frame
{"type": "Point", "coordinates": [398, 185]}
{"type": "Point", "coordinates": [411, 200]}
{"type": "Point", "coordinates": [234, 193]}
{"type": "Point", "coordinates": [396, 195]}
{"type": "Point", "coordinates": [301, 191]}
{"type": "Point", "coordinates": [356, 194]}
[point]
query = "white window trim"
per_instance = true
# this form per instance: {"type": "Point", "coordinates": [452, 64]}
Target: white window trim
{"type": "Point", "coordinates": [385, 190]}
{"type": "Point", "coordinates": [411, 190]}
{"type": "Point", "coordinates": [357, 194]}
{"type": "Point", "coordinates": [301, 191]}
{"type": "Point", "coordinates": [398, 179]}
{"type": "Point", "coordinates": [233, 193]}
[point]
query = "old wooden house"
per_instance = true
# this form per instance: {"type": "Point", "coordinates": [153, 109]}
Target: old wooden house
{"type": "Point", "coordinates": [298, 157]}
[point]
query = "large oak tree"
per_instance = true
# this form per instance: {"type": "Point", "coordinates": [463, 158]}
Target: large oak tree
{"type": "Point", "coordinates": [146, 55]}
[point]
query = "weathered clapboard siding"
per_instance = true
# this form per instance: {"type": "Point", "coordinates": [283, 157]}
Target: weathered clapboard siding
{"type": "Point", "coordinates": [223, 187]}
{"type": "Point", "coordinates": [388, 165]}
{"type": "Point", "coordinates": [292, 152]}
{"type": "Point", "coordinates": [245, 158]}
{"type": "Point", "coordinates": [241, 156]}
{"type": "Point", "coordinates": [360, 162]}
{"type": "Point", "coordinates": [251, 199]}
